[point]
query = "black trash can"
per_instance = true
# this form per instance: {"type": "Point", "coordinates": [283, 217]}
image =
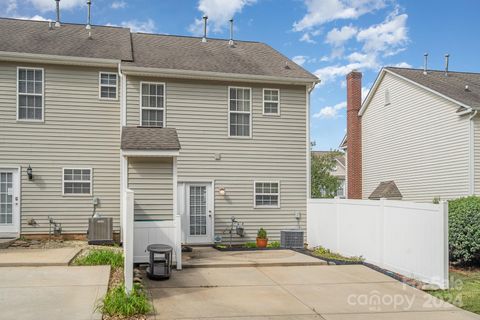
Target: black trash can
{"type": "Point", "coordinates": [160, 265]}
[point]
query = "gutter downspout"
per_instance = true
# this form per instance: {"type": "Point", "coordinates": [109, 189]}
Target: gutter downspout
{"type": "Point", "coordinates": [123, 162]}
{"type": "Point", "coordinates": [308, 90]}
{"type": "Point", "coordinates": [471, 166]}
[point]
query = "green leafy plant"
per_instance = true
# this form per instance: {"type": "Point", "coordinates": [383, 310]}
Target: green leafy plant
{"type": "Point", "coordinates": [221, 246]}
{"type": "Point", "coordinates": [436, 200]}
{"type": "Point", "coordinates": [274, 244]}
{"type": "Point", "coordinates": [323, 183]}
{"type": "Point", "coordinates": [327, 254]}
{"type": "Point", "coordinates": [101, 257]}
{"type": "Point", "coordinates": [118, 303]}
{"type": "Point", "coordinates": [262, 233]}
{"type": "Point", "coordinates": [250, 245]}
{"type": "Point", "coordinates": [464, 230]}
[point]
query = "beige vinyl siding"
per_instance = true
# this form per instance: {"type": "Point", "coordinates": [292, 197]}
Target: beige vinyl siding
{"type": "Point", "coordinates": [477, 153]}
{"type": "Point", "coordinates": [79, 131]}
{"type": "Point", "coordinates": [418, 141]}
{"type": "Point", "coordinates": [151, 180]}
{"type": "Point", "coordinates": [276, 151]}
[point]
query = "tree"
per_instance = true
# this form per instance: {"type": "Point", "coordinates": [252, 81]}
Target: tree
{"type": "Point", "coordinates": [323, 183]}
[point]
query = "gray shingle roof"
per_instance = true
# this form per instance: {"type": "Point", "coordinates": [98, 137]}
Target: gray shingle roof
{"type": "Point", "coordinates": [452, 86]}
{"type": "Point", "coordinates": [387, 190]}
{"type": "Point", "coordinates": [190, 53]}
{"type": "Point", "coordinates": [144, 138]}
{"type": "Point", "coordinates": [68, 40]}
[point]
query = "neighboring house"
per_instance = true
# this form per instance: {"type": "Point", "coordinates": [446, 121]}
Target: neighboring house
{"type": "Point", "coordinates": [419, 129]}
{"type": "Point", "coordinates": [208, 130]}
{"type": "Point", "coordinates": [339, 171]}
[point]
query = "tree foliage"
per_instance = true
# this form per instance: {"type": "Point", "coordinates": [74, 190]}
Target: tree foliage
{"type": "Point", "coordinates": [323, 183]}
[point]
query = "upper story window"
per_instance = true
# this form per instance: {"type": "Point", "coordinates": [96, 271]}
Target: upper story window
{"type": "Point", "coordinates": [108, 85]}
{"type": "Point", "coordinates": [30, 94]}
{"type": "Point", "coordinates": [152, 104]}
{"type": "Point", "coordinates": [267, 195]}
{"type": "Point", "coordinates": [239, 112]}
{"type": "Point", "coordinates": [77, 181]}
{"type": "Point", "coordinates": [271, 102]}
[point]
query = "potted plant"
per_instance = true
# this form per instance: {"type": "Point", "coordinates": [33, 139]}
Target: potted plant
{"type": "Point", "coordinates": [262, 239]}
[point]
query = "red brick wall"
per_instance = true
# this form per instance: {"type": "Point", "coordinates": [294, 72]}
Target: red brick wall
{"type": "Point", "coordinates": [354, 136]}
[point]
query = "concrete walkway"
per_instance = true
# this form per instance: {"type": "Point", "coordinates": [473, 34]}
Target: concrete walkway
{"type": "Point", "coordinates": [37, 257]}
{"type": "Point", "coordinates": [294, 292]}
{"type": "Point", "coordinates": [208, 257]}
{"type": "Point", "coordinates": [52, 293]}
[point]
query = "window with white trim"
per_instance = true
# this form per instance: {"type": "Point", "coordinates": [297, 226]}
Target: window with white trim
{"type": "Point", "coordinates": [271, 101]}
{"type": "Point", "coordinates": [30, 94]}
{"type": "Point", "coordinates": [152, 104]}
{"type": "Point", "coordinates": [108, 85]}
{"type": "Point", "coordinates": [239, 112]}
{"type": "Point", "coordinates": [267, 195]}
{"type": "Point", "coordinates": [77, 181]}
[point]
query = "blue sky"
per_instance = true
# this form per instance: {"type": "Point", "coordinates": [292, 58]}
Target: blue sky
{"type": "Point", "coordinates": [328, 37]}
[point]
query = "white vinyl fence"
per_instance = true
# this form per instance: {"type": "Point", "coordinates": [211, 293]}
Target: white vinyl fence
{"type": "Point", "coordinates": [404, 237]}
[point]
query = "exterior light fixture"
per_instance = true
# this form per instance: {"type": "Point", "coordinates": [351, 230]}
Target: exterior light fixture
{"type": "Point", "coordinates": [30, 172]}
{"type": "Point", "coordinates": [221, 191]}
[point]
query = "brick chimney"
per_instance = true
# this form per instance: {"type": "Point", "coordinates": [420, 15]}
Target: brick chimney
{"type": "Point", "coordinates": [354, 135]}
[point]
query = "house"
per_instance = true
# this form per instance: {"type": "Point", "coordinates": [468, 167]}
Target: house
{"type": "Point", "coordinates": [417, 128]}
{"type": "Point", "coordinates": [338, 170]}
{"type": "Point", "coordinates": [200, 128]}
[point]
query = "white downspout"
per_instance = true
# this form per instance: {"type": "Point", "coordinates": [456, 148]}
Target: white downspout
{"type": "Point", "coordinates": [123, 161]}
{"type": "Point", "coordinates": [471, 165]}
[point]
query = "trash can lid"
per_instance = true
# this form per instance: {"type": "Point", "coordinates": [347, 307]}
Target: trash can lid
{"type": "Point", "coordinates": [159, 248]}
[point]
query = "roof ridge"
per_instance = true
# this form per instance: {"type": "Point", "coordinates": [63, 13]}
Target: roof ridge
{"type": "Point", "coordinates": [192, 37]}
{"type": "Point", "coordinates": [433, 70]}
{"type": "Point", "coordinates": [64, 23]}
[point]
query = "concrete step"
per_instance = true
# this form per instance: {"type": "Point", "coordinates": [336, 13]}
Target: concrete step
{"type": "Point", "coordinates": [5, 242]}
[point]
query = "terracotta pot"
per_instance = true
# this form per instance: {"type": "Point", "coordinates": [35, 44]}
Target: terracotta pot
{"type": "Point", "coordinates": [262, 243]}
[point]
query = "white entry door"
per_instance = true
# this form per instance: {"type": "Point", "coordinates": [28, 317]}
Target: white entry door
{"type": "Point", "coordinates": [9, 203]}
{"type": "Point", "coordinates": [198, 208]}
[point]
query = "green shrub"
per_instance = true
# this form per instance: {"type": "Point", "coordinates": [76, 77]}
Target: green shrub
{"type": "Point", "coordinates": [118, 303]}
{"type": "Point", "coordinates": [464, 230]}
{"type": "Point", "coordinates": [101, 257]}
{"type": "Point", "coordinates": [250, 245]}
{"type": "Point", "coordinates": [327, 254]}
{"type": "Point", "coordinates": [262, 233]}
{"type": "Point", "coordinates": [273, 244]}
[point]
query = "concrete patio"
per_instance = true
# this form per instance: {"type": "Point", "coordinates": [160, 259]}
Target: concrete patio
{"type": "Point", "coordinates": [52, 293]}
{"type": "Point", "coordinates": [37, 257]}
{"type": "Point", "coordinates": [293, 292]}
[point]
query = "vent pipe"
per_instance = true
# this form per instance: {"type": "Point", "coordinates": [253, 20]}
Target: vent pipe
{"type": "Point", "coordinates": [230, 42]}
{"type": "Point", "coordinates": [425, 62]}
{"type": "Point", "coordinates": [447, 56]}
{"type": "Point", "coordinates": [205, 18]}
{"type": "Point", "coordinates": [89, 26]}
{"type": "Point", "coordinates": [57, 22]}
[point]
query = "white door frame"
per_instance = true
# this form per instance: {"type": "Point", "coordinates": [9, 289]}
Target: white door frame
{"type": "Point", "coordinates": [183, 210]}
{"type": "Point", "coordinates": [13, 230]}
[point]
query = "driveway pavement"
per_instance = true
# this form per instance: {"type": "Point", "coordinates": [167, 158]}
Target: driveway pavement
{"type": "Point", "coordinates": [54, 292]}
{"type": "Point", "coordinates": [293, 292]}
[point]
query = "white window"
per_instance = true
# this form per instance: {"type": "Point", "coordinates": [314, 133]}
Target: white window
{"type": "Point", "coordinates": [152, 104]}
{"type": "Point", "coordinates": [239, 112]}
{"type": "Point", "coordinates": [77, 181]}
{"type": "Point", "coordinates": [271, 102]}
{"type": "Point", "coordinates": [30, 94]}
{"type": "Point", "coordinates": [267, 194]}
{"type": "Point", "coordinates": [108, 85]}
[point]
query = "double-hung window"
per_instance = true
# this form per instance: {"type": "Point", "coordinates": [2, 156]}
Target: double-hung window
{"type": "Point", "coordinates": [267, 194]}
{"type": "Point", "coordinates": [271, 102]}
{"type": "Point", "coordinates": [77, 181]}
{"type": "Point", "coordinates": [239, 112]}
{"type": "Point", "coordinates": [152, 104]}
{"type": "Point", "coordinates": [108, 85]}
{"type": "Point", "coordinates": [30, 94]}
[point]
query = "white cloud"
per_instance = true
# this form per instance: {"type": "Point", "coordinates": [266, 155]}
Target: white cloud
{"type": "Point", "coordinates": [365, 91]}
{"type": "Point", "coordinates": [338, 37]}
{"type": "Point", "coordinates": [402, 65]}
{"type": "Point", "coordinates": [306, 38]}
{"type": "Point", "coordinates": [118, 5]}
{"type": "Point", "coordinates": [219, 12]}
{"type": "Point", "coordinates": [35, 17]}
{"type": "Point", "coordinates": [330, 112]}
{"type": "Point", "coordinates": [147, 26]}
{"type": "Point", "coordinates": [386, 36]}
{"type": "Point", "coordinates": [49, 5]}
{"type": "Point", "coordinates": [322, 11]}
{"type": "Point", "coordinates": [300, 60]}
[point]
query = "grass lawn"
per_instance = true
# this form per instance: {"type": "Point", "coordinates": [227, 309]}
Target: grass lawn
{"type": "Point", "coordinates": [464, 289]}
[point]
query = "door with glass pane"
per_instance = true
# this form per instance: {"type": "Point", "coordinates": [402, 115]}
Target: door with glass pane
{"type": "Point", "coordinates": [9, 202]}
{"type": "Point", "coordinates": [199, 213]}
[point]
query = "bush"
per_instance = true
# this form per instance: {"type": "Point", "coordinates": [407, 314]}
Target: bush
{"type": "Point", "coordinates": [250, 245]}
{"type": "Point", "coordinates": [262, 233]}
{"type": "Point", "coordinates": [118, 303]}
{"type": "Point", "coordinates": [273, 244]}
{"type": "Point", "coordinates": [101, 257]}
{"type": "Point", "coordinates": [464, 230]}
